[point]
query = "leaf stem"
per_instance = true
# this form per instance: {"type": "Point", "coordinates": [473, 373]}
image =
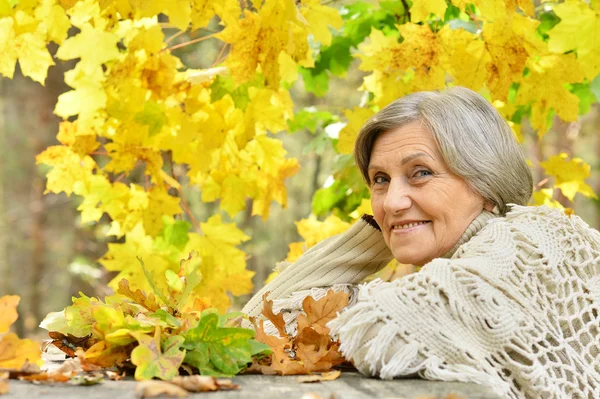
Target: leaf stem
{"type": "Point", "coordinates": [181, 32]}
{"type": "Point", "coordinates": [200, 39]}
{"type": "Point", "coordinates": [187, 210]}
{"type": "Point", "coordinates": [218, 60]}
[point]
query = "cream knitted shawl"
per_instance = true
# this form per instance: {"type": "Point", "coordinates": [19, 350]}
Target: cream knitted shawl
{"type": "Point", "coordinates": [515, 308]}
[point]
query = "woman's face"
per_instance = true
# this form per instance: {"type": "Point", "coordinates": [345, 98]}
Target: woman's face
{"type": "Point", "coordinates": [420, 205]}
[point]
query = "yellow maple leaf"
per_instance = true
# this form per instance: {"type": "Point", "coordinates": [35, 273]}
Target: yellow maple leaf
{"type": "Point", "coordinates": [508, 56]}
{"type": "Point", "coordinates": [87, 98]}
{"type": "Point", "coordinates": [68, 168]}
{"type": "Point", "coordinates": [29, 48]}
{"type": "Point", "coordinates": [81, 142]}
{"type": "Point", "coordinates": [578, 30]}
{"type": "Point", "coordinates": [401, 68]}
{"type": "Point", "coordinates": [544, 88]}
{"type": "Point", "coordinates": [319, 17]}
{"type": "Point", "coordinates": [357, 117]}
{"type": "Point", "coordinates": [465, 57]}
{"type": "Point", "coordinates": [544, 197]}
{"type": "Point", "coordinates": [204, 10]}
{"type": "Point", "coordinates": [223, 266]}
{"type": "Point", "coordinates": [421, 9]}
{"type": "Point", "coordinates": [15, 352]}
{"type": "Point", "coordinates": [259, 37]}
{"type": "Point", "coordinates": [8, 311]}
{"type": "Point", "coordinates": [54, 21]}
{"type": "Point", "coordinates": [93, 46]}
{"type": "Point", "coordinates": [570, 175]}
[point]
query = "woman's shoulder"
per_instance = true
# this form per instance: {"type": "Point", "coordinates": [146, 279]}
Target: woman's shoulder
{"type": "Point", "coordinates": [541, 225]}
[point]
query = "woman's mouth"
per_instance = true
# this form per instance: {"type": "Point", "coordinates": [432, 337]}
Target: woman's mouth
{"type": "Point", "coordinates": [407, 227]}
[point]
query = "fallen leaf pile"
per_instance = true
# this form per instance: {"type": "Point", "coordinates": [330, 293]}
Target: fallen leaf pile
{"type": "Point", "coordinates": [157, 334]}
{"type": "Point", "coordinates": [181, 386]}
{"type": "Point", "coordinates": [311, 350]}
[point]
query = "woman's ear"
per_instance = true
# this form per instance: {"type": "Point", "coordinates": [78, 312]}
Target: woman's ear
{"type": "Point", "coordinates": [489, 206]}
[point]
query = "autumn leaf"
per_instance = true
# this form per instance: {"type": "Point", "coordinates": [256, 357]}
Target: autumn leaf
{"type": "Point", "coordinates": [154, 359]}
{"type": "Point", "coordinates": [138, 296]}
{"type": "Point", "coordinates": [311, 349]}
{"type": "Point", "coordinates": [15, 352]}
{"type": "Point", "coordinates": [321, 312]}
{"type": "Point", "coordinates": [151, 389]}
{"type": "Point", "coordinates": [199, 383]}
{"type": "Point", "coordinates": [327, 376]}
{"type": "Point", "coordinates": [8, 311]}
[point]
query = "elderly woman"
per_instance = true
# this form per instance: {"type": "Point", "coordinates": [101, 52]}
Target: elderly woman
{"type": "Point", "coordinates": [508, 295]}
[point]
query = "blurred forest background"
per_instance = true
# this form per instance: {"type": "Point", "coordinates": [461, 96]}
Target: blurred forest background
{"type": "Point", "coordinates": [47, 255]}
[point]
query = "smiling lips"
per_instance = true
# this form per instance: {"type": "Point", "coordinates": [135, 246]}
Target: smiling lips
{"type": "Point", "coordinates": [408, 226]}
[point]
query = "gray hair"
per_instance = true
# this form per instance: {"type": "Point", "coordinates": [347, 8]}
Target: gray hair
{"type": "Point", "coordinates": [475, 141]}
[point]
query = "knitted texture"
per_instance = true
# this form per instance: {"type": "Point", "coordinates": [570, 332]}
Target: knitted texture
{"type": "Point", "coordinates": [515, 308]}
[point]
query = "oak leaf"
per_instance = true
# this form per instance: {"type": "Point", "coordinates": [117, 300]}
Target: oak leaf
{"type": "Point", "coordinates": [154, 359]}
{"type": "Point", "coordinates": [138, 296]}
{"type": "Point", "coordinates": [311, 349]}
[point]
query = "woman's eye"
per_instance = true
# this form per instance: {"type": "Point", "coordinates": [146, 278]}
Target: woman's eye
{"type": "Point", "coordinates": [423, 173]}
{"type": "Point", "coordinates": [379, 180]}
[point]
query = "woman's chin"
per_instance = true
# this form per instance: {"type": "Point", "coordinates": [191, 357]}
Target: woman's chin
{"type": "Point", "coordinates": [406, 258]}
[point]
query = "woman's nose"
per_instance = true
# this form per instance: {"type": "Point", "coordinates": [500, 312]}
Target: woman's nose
{"type": "Point", "coordinates": [397, 198]}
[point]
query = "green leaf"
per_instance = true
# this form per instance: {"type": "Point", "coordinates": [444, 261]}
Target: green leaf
{"type": "Point", "coordinates": [153, 116]}
{"type": "Point", "coordinates": [259, 349]}
{"type": "Point", "coordinates": [586, 97]}
{"type": "Point", "coordinates": [218, 350]}
{"type": "Point", "coordinates": [311, 119]}
{"type": "Point", "coordinates": [316, 82]}
{"type": "Point", "coordinates": [173, 234]}
{"type": "Point", "coordinates": [173, 281]}
{"type": "Point", "coordinates": [595, 87]}
{"type": "Point", "coordinates": [155, 360]}
{"type": "Point", "coordinates": [547, 21]}
{"type": "Point", "coordinates": [165, 316]}
{"type": "Point", "coordinates": [150, 280]}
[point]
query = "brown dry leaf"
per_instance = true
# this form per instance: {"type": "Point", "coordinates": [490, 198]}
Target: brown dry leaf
{"type": "Point", "coordinates": [138, 296]}
{"type": "Point", "coordinates": [46, 377]}
{"type": "Point", "coordinates": [8, 311]}
{"type": "Point", "coordinates": [321, 312]}
{"type": "Point", "coordinates": [328, 376]}
{"type": "Point", "coordinates": [312, 349]}
{"type": "Point", "coordinates": [152, 388]}
{"type": "Point", "coordinates": [113, 375]}
{"type": "Point", "coordinates": [199, 383]}
{"type": "Point", "coordinates": [69, 366]}
{"type": "Point", "coordinates": [69, 343]}
{"type": "Point", "coordinates": [85, 365]}
{"type": "Point", "coordinates": [454, 396]}
{"type": "Point", "coordinates": [276, 319]}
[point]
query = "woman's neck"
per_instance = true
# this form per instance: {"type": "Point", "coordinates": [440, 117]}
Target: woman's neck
{"type": "Point", "coordinates": [477, 224]}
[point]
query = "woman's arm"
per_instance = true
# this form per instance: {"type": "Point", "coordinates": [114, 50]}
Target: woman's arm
{"type": "Point", "coordinates": [346, 258]}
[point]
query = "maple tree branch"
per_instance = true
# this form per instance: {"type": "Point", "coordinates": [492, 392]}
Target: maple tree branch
{"type": "Point", "coordinates": [218, 60]}
{"type": "Point", "coordinates": [187, 210]}
{"type": "Point", "coordinates": [200, 39]}
{"type": "Point", "coordinates": [542, 182]}
{"type": "Point", "coordinates": [118, 179]}
{"type": "Point", "coordinates": [181, 32]}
